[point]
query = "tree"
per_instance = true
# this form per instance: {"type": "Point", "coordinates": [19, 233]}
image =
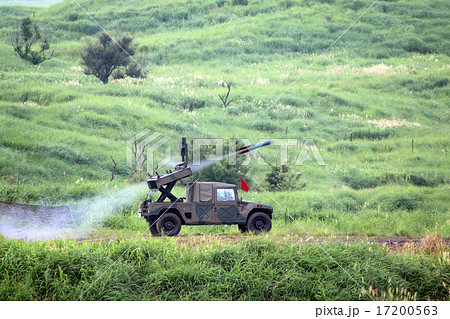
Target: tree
{"type": "Point", "coordinates": [103, 57]}
{"type": "Point", "coordinates": [27, 36]}
{"type": "Point", "coordinates": [281, 178]}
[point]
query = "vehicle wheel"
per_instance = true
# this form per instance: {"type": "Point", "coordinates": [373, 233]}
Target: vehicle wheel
{"type": "Point", "coordinates": [169, 224]}
{"type": "Point", "coordinates": [153, 229]}
{"type": "Point", "coordinates": [243, 228]}
{"type": "Point", "coordinates": [259, 223]}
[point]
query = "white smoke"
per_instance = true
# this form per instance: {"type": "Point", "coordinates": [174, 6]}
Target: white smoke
{"type": "Point", "coordinates": [83, 217]}
{"type": "Point", "coordinates": [207, 163]}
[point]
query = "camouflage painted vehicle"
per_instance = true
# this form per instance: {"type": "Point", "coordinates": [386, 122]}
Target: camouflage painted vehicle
{"type": "Point", "coordinates": [206, 203]}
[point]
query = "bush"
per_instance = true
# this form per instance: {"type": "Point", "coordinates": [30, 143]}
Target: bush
{"type": "Point", "coordinates": [414, 45]}
{"type": "Point", "coordinates": [72, 17]}
{"type": "Point", "coordinates": [354, 5]}
{"type": "Point", "coordinates": [295, 101]}
{"type": "Point", "coordinates": [372, 134]}
{"type": "Point", "coordinates": [84, 27]}
{"type": "Point", "coordinates": [350, 203]}
{"type": "Point", "coordinates": [282, 178]}
{"type": "Point", "coordinates": [240, 2]}
{"type": "Point", "coordinates": [426, 181]}
{"type": "Point", "coordinates": [359, 181]}
{"type": "Point", "coordinates": [221, 3]}
{"type": "Point", "coordinates": [192, 103]}
{"type": "Point", "coordinates": [316, 202]}
{"type": "Point", "coordinates": [135, 70]}
{"type": "Point", "coordinates": [343, 146]}
{"type": "Point", "coordinates": [399, 201]}
{"type": "Point", "coordinates": [392, 178]}
{"type": "Point", "coordinates": [264, 125]}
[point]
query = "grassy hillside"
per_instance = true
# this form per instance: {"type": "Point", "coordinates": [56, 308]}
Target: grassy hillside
{"type": "Point", "coordinates": [385, 82]}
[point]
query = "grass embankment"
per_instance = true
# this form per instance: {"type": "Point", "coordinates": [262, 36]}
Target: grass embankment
{"type": "Point", "coordinates": [257, 269]}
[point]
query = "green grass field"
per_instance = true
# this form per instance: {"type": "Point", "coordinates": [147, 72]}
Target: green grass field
{"type": "Point", "coordinates": [384, 83]}
{"type": "Point", "coordinates": [257, 269]}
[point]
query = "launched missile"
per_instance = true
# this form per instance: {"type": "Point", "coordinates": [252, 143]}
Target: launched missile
{"type": "Point", "coordinates": [242, 150]}
{"type": "Point", "coordinates": [249, 148]}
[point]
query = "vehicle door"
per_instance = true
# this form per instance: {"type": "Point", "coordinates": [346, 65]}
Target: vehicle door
{"type": "Point", "coordinates": [226, 205]}
{"type": "Point", "coordinates": [204, 208]}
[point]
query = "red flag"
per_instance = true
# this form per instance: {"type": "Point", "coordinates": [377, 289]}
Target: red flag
{"type": "Point", "coordinates": [244, 185]}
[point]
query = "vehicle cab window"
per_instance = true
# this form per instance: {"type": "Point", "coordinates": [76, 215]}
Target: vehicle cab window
{"type": "Point", "coordinates": [225, 195]}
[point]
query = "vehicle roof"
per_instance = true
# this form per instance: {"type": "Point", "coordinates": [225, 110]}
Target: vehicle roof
{"type": "Point", "coordinates": [218, 184]}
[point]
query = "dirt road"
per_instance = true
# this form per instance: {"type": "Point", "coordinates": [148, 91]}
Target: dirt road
{"type": "Point", "coordinates": [431, 242]}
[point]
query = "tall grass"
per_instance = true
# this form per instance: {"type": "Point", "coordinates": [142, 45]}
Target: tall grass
{"type": "Point", "coordinates": [257, 269]}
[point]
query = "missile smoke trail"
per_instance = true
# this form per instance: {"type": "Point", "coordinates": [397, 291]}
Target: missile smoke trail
{"type": "Point", "coordinates": [82, 217]}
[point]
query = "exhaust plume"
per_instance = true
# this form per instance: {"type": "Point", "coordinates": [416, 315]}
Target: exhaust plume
{"type": "Point", "coordinates": [34, 222]}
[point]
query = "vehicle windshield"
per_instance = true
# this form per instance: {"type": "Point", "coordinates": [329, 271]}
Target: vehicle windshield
{"type": "Point", "coordinates": [225, 195]}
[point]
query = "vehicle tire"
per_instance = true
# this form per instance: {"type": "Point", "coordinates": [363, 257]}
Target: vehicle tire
{"type": "Point", "coordinates": [243, 228]}
{"type": "Point", "coordinates": [169, 224]}
{"type": "Point", "coordinates": [153, 229]}
{"type": "Point", "coordinates": [259, 223]}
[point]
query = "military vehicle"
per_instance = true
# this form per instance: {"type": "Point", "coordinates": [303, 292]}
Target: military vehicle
{"type": "Point", "coordinates": [206, 203]}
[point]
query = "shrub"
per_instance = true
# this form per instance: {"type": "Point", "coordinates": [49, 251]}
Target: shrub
{"type": "Point", "coordinates": [391, 178]}
{"type": "Point", "coordinates": [84, 27]}
{"type": "Point", "coordinates": [282, 178]}
{"type": "Point", "coordinates": [399, 201]}
{"type": "Point", "coordinates": [294, 101]}
{"type": "Point", "coordinates": [232, 110]}
{"type": "Point", "coordinates": [137, 68]}
{"type": "Point", "coordinates": [414, 45]}
{"type": "Point", "coordinates": [240, 2]}
{"type": "Point", "coordinates": [72, 17]}
{"type": "Point", "coordinates": [354, 5]}
{"type": "Point", "coordinates": [316, 202]}
{"type": "Point", "coordinates": [191, 103]}
{"type": "Point", "coordinates": [426, 181]}
{"type": "Point", "coordinates": [349, 203]}
{"type": "Point", "coordinates": [372, 134]}
{"type": "Point", "coordinates": [264, 125]}
{"type": "Point", "coordinates": [221, 3]}
{"type": "Point", "coordinates": [359, 181]}
{"type": "Point", "coordinates": [343, 146]}
{"type": "Point", "coordinates": [418, 180]}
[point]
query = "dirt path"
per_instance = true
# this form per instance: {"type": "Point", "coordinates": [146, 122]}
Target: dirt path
{"type": "Point", "coordinates": [391, 242]}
